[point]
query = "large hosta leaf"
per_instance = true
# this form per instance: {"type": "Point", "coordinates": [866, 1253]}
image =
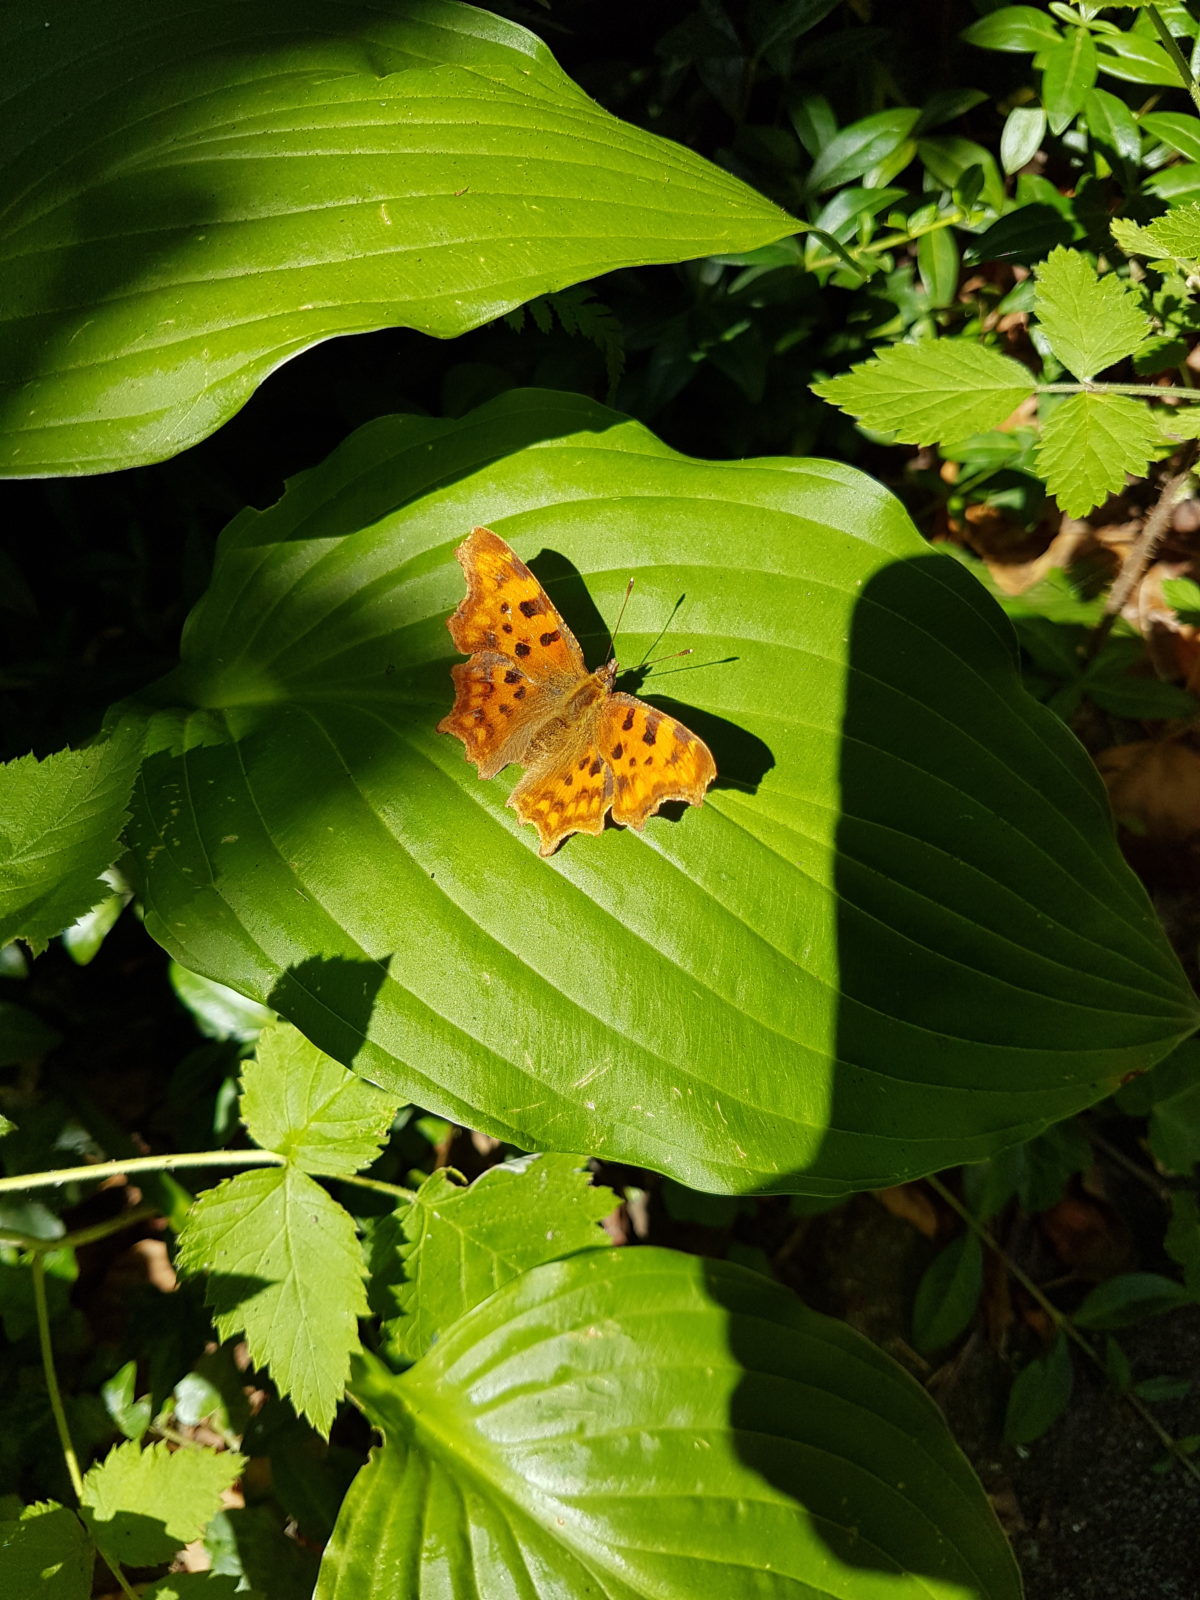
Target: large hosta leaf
{"type": "Point", "coordinates": [897, 935]}
{"type": "Point", "coordinates": [197, 193]}
{"type": "Point", "coordinates": [635, 1423]}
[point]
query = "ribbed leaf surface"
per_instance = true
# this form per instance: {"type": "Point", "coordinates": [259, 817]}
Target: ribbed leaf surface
{"type": "Point", "coordinates": [194, 194]}
{"type": "Point", "coordinates": [636, 1423]}
{"type": "Point", "coordinates": [897, 935]}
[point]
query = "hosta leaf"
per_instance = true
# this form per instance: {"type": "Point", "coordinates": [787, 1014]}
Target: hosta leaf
{"type": "Point", "coordinates": [297, 1101]}
{"type": "Point", "coordinates": [141, 1506]}
{"type": "Point", "coordinates": [60, 825]}
{"type": "Point", "coordinates": [283, 1267]}
{"type": "Point", "coordinates": [197, 194]}
{"type": "Point", "coordinates": [1090, 322]}
{"type": "Point", "coordinates": [455, 1246]}
{"type": "Point", "coordinates": [939, 389]}
{"type": "Point", "coordinates": [897, 935]}
{"type": "Point", "coordinates": [640, 1423]}
{"type": "Point", "coordinates": [1090, 443]}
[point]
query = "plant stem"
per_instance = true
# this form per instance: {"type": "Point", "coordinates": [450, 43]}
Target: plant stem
{"type": "Point", "coordinates": [1143, 550]}
{"type": "Point", "coordinates": [38, 1268]}
{"type": "Point", "coordinates": [1147, 391]}
{"type": "Point", "coordinates": [1167, 40]}
{"type": "Point", "coordinates": [72, 1241]}
{"type": "Point", "coordinates": [162, 1163]}
{"type": "Point", "coordinates": [1060, 1319]}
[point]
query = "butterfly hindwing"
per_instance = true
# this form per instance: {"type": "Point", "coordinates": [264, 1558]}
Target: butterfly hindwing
{"type": "Point", "coordinates": [653, 758]}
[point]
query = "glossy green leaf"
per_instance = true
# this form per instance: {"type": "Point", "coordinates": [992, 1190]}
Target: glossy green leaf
{"type": "Point", "coordinates": [938, 262]}
{"type": "Point", "coordinates": [861, 146]}
{"type": "Point", "coordinates": [218, 1011]}
{"type": "Point", "coordinates": [197, 195]}
{"type": "Point", "coordinates": [948, 1293]}
{"type": "Point", "coordinates": [1090, 443]}
{"type": "Point", "coordinates": [897, 935]}
{"type": "Point", "coordinates": [1089, 321]}
{"type": "Point", "coordinates": [46, 1555]}
{"type": "Point", "coordinates": [637, 1423]}
{"type": "Point", "coordinates": [1039, 1394]}
{"type": "Point", "coordinates": [1175, 128]}
{"type": "Point", "coordinates": [60, 826]}
{"type": "Point", "coordinates": [938, 389]}
{"type": "Point", "coordinates": [283, 1266]}
{"type": "Point", "coordinates": [309, 1108]}
{"type": "Point", "coordinates": [141, 1506]}
{"type": "Point", "coordinates": [1019, 28]}
{"type": "Point", "coordinates": [454, 1246]}
{"type": "Point", "coordinates": [1134, 59]}
{"type": "Point", "coordinates": [1129, 1298]}
{"type": "Point", "coordinates": [1068, 72]}
{"type": "Point", "coordinates": [1022, 135]}
{"type": "Point", "coordinates": [1111, 126]}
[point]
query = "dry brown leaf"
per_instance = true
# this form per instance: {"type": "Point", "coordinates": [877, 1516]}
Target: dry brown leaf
{"type": "Point", "coordinates": [911, 1204]}
{"type": "Point", "coordinates": [1154, 787]}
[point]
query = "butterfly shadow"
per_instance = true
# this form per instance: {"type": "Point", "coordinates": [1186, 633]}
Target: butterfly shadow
{"type": "Point", "coordinates": [742, 758]}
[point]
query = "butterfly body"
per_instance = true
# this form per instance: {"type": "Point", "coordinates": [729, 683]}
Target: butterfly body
{"type": "Point", "coordinates": [526, 696]}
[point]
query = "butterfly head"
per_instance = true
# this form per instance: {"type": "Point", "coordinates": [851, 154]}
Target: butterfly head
{"type": "Point", "coordinates": [606, 675]}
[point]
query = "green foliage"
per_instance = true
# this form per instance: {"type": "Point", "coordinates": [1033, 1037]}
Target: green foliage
{"type": "Point", "coordinates": [452, 1247]}
{"type": "Point", "coordinates": [281, 1258]}
{"type": "Point", "coordinates": [60, 825]}
{"type": "Point", "coordinates": [141, 1506]}
{"type": "Point", "coordinates": [898, 934]}
{"type": "Point", "coordinates": [377, 191]}
{"type": "Point", "coordinates": [675, 1402]}
{"type": "Point", "coordinates": [1040, 1394]}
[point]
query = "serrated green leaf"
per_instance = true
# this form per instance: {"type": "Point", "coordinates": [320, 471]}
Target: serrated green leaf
{"type": "Point", "coordinates": [1089, 444]}
{"type": "Point", "coordinates": [948, 1293]}
{"type": "Point", "coordinates": [1175, 236]}
{"type": "Point", "coordinates": [641, 1423]}
{"type": "Point", "coordinates": [719, 997]}
{"type": "Point", "coordinates": [459, 1245]}
{"type": "Point", "coordinates": [46, 1555]}
{"type": "Point", "coordinates": [198, 1586]}
{"type": "Point", "coordinates": [249, 181]}
{"type": "Point", "coordinates": [939, 389]}
{"type": "Point", "coordinates": [60, 826]}
{"type": "Point", "coordinates": [1091, 322]}
{"type": "Point", "coordinates": [1021, 137]}
{"type": "Point", "coordinates": [1134, 240]}
{"type": "Point", "coordinates": [1068, 72]}
{"type": "Point", "coordinates": [142, 1506]}
{"type": "Point", "coordinates": [302, 1104]}
{"type": "Point", "coordinates": [1182, 594]}
{"type": "Point", "coordinates": [1039, 1394]}
{"type": "Point", "coordinates": [283, 1267]}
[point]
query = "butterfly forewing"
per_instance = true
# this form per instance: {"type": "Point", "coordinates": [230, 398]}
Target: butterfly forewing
{"type": "Point", "coordinates": [507, 610]}
{"type": "Point", "coordinates": [497, 710]}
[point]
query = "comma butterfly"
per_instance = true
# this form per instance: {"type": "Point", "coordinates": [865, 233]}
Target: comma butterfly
{"type": "Point", "coordinates": [526, 695]}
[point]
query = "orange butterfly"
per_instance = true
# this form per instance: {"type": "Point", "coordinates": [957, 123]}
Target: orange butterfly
{"type": "Point", "coordinates": [526, 695]}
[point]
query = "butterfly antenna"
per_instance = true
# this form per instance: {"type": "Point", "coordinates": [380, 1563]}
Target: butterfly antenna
{"type": "Point", "coordinates": [671, 657]}
{"type": "Point", "coordinates": [616, 628]}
